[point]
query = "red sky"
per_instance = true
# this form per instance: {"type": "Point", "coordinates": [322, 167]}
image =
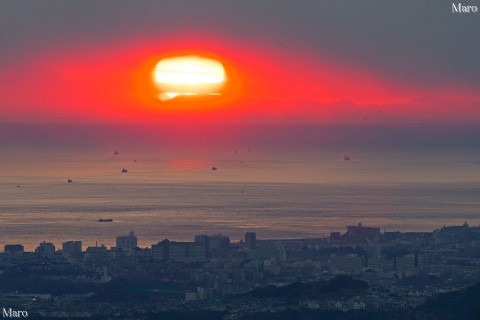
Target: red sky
{"type": "Point", "coordinates": [287, 61]}
{"type": "Point", "coordinates": [112, 81]}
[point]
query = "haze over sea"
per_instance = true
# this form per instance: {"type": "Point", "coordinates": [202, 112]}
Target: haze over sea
{"type": "Point", "coordinates": [280, 181]}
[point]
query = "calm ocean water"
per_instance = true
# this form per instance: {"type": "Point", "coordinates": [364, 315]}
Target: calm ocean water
{"type": "Point", "coordinates": [176, 195]}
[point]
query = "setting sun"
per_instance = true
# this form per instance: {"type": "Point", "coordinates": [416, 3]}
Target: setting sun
{"type": "Point", "coordinates": [188, 76]}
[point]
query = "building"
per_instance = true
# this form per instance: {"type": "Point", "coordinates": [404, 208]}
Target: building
{"type": "Point", "coordinates": [45, 248]}
{"type": "Point", "coordinates": [453, 234]}
{"type": "Point", "coordinates": [96, 254]}
{"type": "Point", "coordinates": [190, 296]}
{"type": "Point", "coordinates": [126, 243]}
{"type": "Point", "coordinates": [201, 238]}
{"type": "Point", "coordinates": [205, 293]}
{"type": "Point", "coordinates": [160, 251]}
{"type": "Point", "coordinates": [187, 251]}
{"type": "Point", "coordinates": [179, 251]}
{"type": "Point", "coordinates": [204, 239]}
{"type": "Point", "coordinates": [251, 240]}
{"type": "Point", "coordinates": [405, 263]}
{"type": "Point", "coordinates": [271, 249]}
{"type": "Point", "coordinates": [373, 256]}
{"type": "Point", "coordinates": [105, 277]}
{"type": "Point", "coordinates": [347, 263]}
{"type": "Point", "coordinates": [13, 248]}
{"type": "Point", "coordinates": [72, 247]}
{"type": "Point", "coordinates": [218, 243]}
{"type": "Point", "coordinates": [374, 262]}
{"type": "Point", "coordinates": [361, 234]}
{"type": "Point", "coordinates": [427, 258]}
{"type": "Point", "coordinates": [97, 250]}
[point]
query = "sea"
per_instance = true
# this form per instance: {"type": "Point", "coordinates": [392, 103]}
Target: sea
{"type": "Point", "coordinates": [283, 192]}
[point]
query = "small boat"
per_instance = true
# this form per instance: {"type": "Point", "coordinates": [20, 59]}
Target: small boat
{"type": "Point", "coordinates": [214, 168]}
{"type": "Point", "coordinates": [346, 158]}
{"type": "Point", "coordinates": [69, 180]}
{"type": "Point", "coordinates": [116, 152]}
{"type": "Point", "coordinates": [124, 170]}
{"type": "Point", "coordinates": [105, 220]}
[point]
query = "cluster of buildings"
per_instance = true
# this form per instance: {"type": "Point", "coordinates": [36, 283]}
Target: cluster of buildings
{"type": "Point", "coordinates": [212, 267]}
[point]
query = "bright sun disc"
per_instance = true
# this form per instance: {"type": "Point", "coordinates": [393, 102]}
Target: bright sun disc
{"type": "Point", "coordinates": [188, 76]}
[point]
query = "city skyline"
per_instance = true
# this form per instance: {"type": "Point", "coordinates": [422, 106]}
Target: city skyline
{"type": "Point", "coordinates": [129, 241]}
{"type": "Point", "coordinates": [239, 160]}
{"type": "Point", "coordinates": [361, 272]}
{"type": "Point", "coordinates": [309, 114]}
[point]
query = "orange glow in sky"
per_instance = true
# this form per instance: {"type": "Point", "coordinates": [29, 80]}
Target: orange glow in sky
{"type": "Point", "coordinates": [195, 80]}
{"type": "Point", "coordinates": [188, 76]}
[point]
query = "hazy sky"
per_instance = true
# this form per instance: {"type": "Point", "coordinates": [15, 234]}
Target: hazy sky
{"type": "Point", "coordinates": [308, 59]}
